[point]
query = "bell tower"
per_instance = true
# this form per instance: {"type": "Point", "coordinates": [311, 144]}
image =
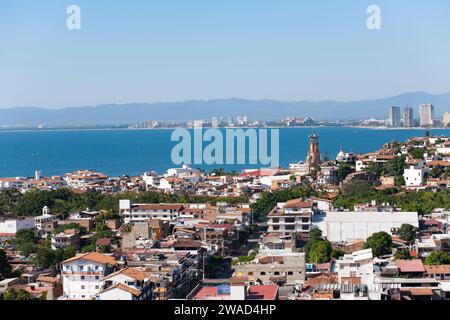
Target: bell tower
{"type": "Point", "coordinates": [313, 158]}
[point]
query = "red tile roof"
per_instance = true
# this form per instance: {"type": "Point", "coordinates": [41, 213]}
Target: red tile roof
{"type": "Point", "coordinates": [414, 265]}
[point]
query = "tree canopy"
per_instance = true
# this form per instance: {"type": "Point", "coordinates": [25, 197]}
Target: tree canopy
{"type": "Point", "coordinates": [407, 233]}
{"type": "Point", "coordinates": [437, 257]}
{"type": "Point", "coordinates": [380, 243]}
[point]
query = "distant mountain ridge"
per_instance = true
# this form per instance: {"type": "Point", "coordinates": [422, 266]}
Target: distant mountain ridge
{"type": "Point", "coordinates": [115, 114]}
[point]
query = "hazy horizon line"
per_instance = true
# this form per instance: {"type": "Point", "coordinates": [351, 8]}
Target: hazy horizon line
{"type": "Point", "coordinates": [221, 99]}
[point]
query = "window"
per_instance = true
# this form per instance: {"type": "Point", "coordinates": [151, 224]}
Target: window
{"type": "Point", "coordinates": [82, 277]}
{"type": "Point", "coordinates": [82, 287]}
{"type": "Point", "coordinates": [276, 273]}
{"type": "Point", "coordinates": [250, 273]}
{"type": "Point", "coordinates": [276, 227]}
{"type": "Point", "coordinates": [290, 273]}
{"type": "Point", "coordinates": [289, 220]}
{"type": "Point", "coordinates": [263, 273]}
{"type": "Point", "coordinates": [97, 287]}
{"type": "Point", "coordinates": [290, 227]}
{"type": "Point", "coordinates": [97, 277]}
{"type": "Point", "coordinates": [275, 220]}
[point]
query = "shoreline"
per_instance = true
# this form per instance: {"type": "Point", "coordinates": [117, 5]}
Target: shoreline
{"type": "Point", "coordinates": [188, 128]}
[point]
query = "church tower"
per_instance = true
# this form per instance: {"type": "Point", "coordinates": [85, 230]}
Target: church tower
{"type": "Point", "coordinates": [313, 158]}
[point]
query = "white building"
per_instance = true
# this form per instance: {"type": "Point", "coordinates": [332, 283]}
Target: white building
{"type": "Point", "coordinates": [289, 217]}
{"type": "Point", "coordinates": [347, 226]}
{"type": "Point", "coordinates": [83, 275]}
{"type": "Point", "coordinates": [9, 228]}
{"type": "Point", "coordinates": [343, 156]}
{"type": "Point", "coordinates": [45, 218]}
{"type": "Point", "coordinates": [184, 172]}
{"type": "Point", "coordinates": [151, 180]}
{"type": "Point", "coordinates": [426, 115]}
{"type": "Point", "coordinates": [414, 177]}
{"type": "Point", "coordinates": [127, 284]}
{"type": "Point", "coordinates": [327, 175]}
{"type": "Point", "coordinates": [144, 212]}
{"type": "Point", "coordinates": [358, 264]}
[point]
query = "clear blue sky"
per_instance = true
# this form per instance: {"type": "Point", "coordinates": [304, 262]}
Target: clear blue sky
{"type": "Point", "coordinates": [170, 50]}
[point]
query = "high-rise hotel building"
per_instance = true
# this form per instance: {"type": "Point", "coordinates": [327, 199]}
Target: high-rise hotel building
{"type": "Point", "coordinates": [408, 117]}
{"type": "Point", "coordinates": [394, 117]}
{"type": "Point", "coordinates": [426, 115]}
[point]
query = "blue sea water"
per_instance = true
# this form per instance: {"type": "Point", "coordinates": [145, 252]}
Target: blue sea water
{"type": "Point", "coordinates": [118, 152]}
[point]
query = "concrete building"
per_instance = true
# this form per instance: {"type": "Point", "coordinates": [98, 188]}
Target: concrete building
{"type": "Point", "coordinates": [289, 217]}
{"type": "Point", "coordinates": [426, 115]}
{"type": "Point", "coordinates": [83, 275]}
{"type": "Point", "coordinates": [446, 119]}
{"type": "Point", "coordinates": [127, 284]}
{"type": "Point", "coordinates": [286, 269]}
{"type": "Point", "coordinates": [394, 117]}
{"type": "Point", "coordinates": [356, 267]}
{"type": "Point", "coordinates": [67, 238]}
{"type": "Point", "coordinates": [347, 226]}
{"type": "Point", "coordinates": [144, 212]}
{"type": "Point", "coordinates": [9, 227]}
{"type": "Point", "coordinates": [414, 177]}
{"type": "Point", "coordinates": [408, 117]}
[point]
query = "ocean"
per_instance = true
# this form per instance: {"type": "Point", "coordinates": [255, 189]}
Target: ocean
{"type": "Point", "coordinates": [132, 152]}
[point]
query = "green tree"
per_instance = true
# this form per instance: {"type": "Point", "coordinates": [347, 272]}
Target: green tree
{"type": "Point", "coordinates": [25, 236]}
{"type": "Point", "coordinates": [437, 257]}
{"type": "Point", "coordinates": [12, 294]}
{"type": "Point", "coordinates": [5, 267]}
{"type": "Point", "coordinates": [402, 254]}
{"type": "Point", "coordinates": [357, 188]}
{"type": "Point", "coordinates": [105, 249]}
{"type": "Point", "coordinates": [320, 252]}
{"type": "Point", "coordinates": [407, 233]}
{"type": "Point", "coordinates": [343, 170]}
{"type": "Point", "coordinates": [68, 226]}
{"type": "Point", "coordinates": [380, 243]}
{"type": "Point", "coordinates": [418, 153]}
{"type": "Point", "coordinates": [395, 167]}
{"type": "Point", "coordinates": [337, 253]}
{"type": "Point", "coordinates": [27, 249]}
{"type": "Point", "coordinates": [45, 258]}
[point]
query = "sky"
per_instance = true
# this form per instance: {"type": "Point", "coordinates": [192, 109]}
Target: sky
{"type": "Point", "coordinates": [175, 50]}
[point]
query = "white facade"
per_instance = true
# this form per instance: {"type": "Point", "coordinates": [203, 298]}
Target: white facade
{"type": "Point", "coordinates": [347, 226]}
{"type": "Point", "coordinates": [183, 172]}
{"type": "Point", "coordinates": [426, 115]}
{"type": "Point", "coordinates": [414, 177]}
{"type": "Point", "coordinates": [82, 278]}
{"type": "Point", "coordinates": [9, 228]}
{"type": "Point", "coordinates": [151, 179]}
{"type": "Point", "coordinates": [358, 264]}
{"type": "Point", "coordinates": [145, 212]}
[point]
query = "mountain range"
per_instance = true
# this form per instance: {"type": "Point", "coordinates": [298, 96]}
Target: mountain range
{"type": "Point", "coordinates": [121, 114]}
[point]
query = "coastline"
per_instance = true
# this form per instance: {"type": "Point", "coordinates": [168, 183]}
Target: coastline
{"type": "Point", "coordinates": [188, 128]}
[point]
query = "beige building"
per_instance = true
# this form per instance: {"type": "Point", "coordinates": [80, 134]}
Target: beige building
{"type": "Point", "coordinates": [285, 269]}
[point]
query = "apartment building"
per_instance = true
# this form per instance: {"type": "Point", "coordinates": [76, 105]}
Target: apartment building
{"type": "Point", "coordinates": [127, 284]}
{"type": "Point", "coordinates": [356, 268]}
{"type": "Point", "coordinates": [83, 275]}
{"type": "Point", "coordinates": [290, 217]}
{"type": "Point", "coordinates": [283, 269]}
{"type": "Point", "coordinates": [143, 212]}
